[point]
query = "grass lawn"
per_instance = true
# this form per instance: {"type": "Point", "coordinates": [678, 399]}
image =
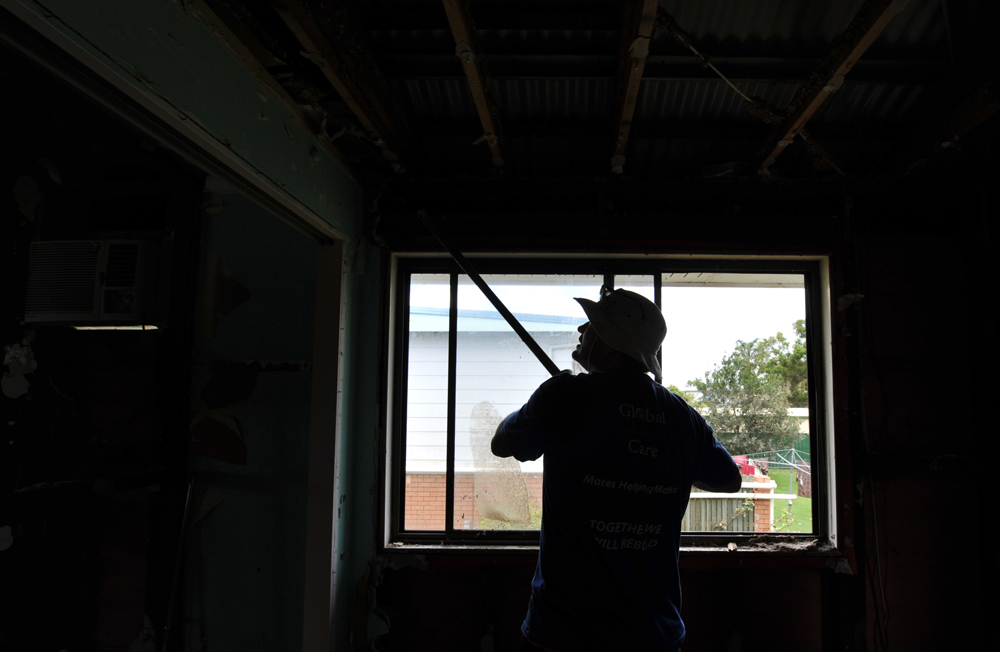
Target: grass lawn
{"type": "Point", "coordinates": [801, 507]}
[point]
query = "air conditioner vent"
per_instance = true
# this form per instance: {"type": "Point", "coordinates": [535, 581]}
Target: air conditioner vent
{"type": "Point", "coordinates": [85, 282]}
{"type": "Point", "coordinates": [122, 261]}
{"type": "Point", "coordinates": [61, 277]}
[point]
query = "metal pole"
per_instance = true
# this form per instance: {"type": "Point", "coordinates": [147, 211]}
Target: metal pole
{"type": "Point", "coordinates": [177, 567]}
{"type": "Point", "coordinates": [494, 299]}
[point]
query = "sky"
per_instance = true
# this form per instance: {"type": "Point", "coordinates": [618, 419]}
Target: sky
{"type": "Point", "coordinates": [703, 323]}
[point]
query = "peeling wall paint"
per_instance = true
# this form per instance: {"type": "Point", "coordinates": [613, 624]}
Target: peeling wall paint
{"type": "Point", "coordinates": [18, 360]}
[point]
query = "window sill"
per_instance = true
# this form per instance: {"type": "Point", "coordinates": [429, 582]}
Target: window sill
{"type": "Point", "coordinates": [758, 552]}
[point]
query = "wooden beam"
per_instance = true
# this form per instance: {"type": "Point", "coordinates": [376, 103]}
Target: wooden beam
{"type": "Point", "coordinates": [473, 63]}
{"type": "Point", "coordinates": [249, 54]}
{"type": "Point", "coordinates": [332, 38]}
{"type": "Point", "coordinates": [868, 23]}
{"type": "Point", "coordinates": [637, 28]}
{"type": "Point", "coordinates": [977, 109]}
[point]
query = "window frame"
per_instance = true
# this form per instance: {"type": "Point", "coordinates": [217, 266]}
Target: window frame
{"type": "Point", "coordinates": [814, 270]}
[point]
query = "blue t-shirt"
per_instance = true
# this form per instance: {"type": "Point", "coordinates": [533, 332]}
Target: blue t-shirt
{"type": "Point", "coordinates": [621, 453]}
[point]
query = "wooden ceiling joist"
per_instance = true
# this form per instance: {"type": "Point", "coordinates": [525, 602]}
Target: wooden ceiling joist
{"type": "Point", "coordinates": [977, 109]}
{"type": "Point", "coordinates": [331, 38]}
{"type": "Point", "coordinates": [637, 29]}
{"type": "Point", "coordinates": [871, 19]}
{"type": "Point", "coordinates": [469, 52]}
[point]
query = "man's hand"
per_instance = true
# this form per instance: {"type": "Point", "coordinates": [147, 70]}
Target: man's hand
{"type": "Point", "coordinates": [498, 445]}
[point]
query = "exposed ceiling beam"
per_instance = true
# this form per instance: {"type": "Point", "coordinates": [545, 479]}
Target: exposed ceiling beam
{"type": "Point", "coordinates": [868, 23]}
{"type": "Point", "coordinates": [252, 55]}
{"type": "Point", "coordinates": [413, 65]}
{"type": "Point", "coordinates": [982, 106]}
{"type": "Point", "coordinates": [471, 55]}
{"type": "Point", "coordinates": [333, 39]}
{"type": "Point", "coordinates": [637, 27]}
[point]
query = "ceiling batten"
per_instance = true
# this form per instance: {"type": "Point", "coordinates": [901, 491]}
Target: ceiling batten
{"type": "Point", "coordinates": [637, 28]}
{"type": "Point", "coordinates": [470, 53]}
{"type": "Point", "coordinates": [331, 38]}
{"type": "Point", "coordinates": [871, 19]}
{"type": "Point", "coordinates": [981, 106]}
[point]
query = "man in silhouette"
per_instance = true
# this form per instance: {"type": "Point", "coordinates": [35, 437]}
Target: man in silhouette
{"type": "Point", "coordinates": [621, 454]}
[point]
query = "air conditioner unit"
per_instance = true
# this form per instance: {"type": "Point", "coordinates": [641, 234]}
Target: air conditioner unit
{"type": "Point", "coordinates": [92, 282]}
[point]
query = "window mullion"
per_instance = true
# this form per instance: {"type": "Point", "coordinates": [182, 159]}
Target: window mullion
{"type": "Point", "coordinates": [449, 508]}
{"type": "Point", "coordinates": [658, 300]}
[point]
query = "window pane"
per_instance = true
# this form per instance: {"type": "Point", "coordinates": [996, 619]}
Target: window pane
{"type": "Point", "coordinates": [427, 403]}
{"type": "Point", "coordinates": [724, 351]}
{"type": "Point", "coordinates": [716, 323]}
{"type": "Point", "coordinates": [496, 375]}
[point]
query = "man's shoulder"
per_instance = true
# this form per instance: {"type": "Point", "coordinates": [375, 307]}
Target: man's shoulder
{"type": "Point", "coordinates": [687, 413]}
{"type": "Point", "coordinates": [559, 386]}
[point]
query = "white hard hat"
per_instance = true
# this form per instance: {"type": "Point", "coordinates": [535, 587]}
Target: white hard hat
{"type": "Point", "coordinates": [628, 322]}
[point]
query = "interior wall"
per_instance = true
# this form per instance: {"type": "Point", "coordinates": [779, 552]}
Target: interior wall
{"type": "Point", "coordinates": [913, 327]}
{"type": "Point", "coordinates": [93, 422]}
{"type": "Point", "coordinates": [165, 61]}
{"type": "Point", "coordinates": [251, 396]}
{"type": "Point", "coordinates": [927, 323]}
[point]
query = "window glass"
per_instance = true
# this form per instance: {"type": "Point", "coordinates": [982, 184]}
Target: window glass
{"type": "Point", "coordinates": [427, 403]}
{"type": "Point", "coordinates": [735, 351]}
{"type": "Point", "coordinates": [496, 374]}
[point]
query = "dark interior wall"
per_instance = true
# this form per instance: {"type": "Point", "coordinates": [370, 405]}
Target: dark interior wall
{"type": "Point", "coordinates": [460, 603]}
{"type": "Point", "coordinates": [914, 364]}
{"type": "Point", "coordinates": [926, 354]}
{"type": "Point", "coordinates": [94, 551]}
{"type": "Point", "coordinates": [90, 435]}
{"type": "Point", "coordinates": [912, 358]}
{"type": "Point", "coordinates": [251, 397]}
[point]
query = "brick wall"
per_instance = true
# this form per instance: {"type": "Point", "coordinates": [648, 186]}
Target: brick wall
{"type": "Point", "coordinates": [425, 500]}
{"type": "Point", "coordinates": [425, 497]}
{"type": "Point", "coordinates": [762, 517]}
{"type": "Point", "coordinates": [805, 481]}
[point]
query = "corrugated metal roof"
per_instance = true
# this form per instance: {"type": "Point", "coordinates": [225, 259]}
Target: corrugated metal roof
{"type": "Point", "coordinates": [567, 99]}
{"type": "Point", "coordinates": [706, 99]}
{"type": "Point", "coordinates": [776, 28]}
{"type": "Point", "coordinates": [658, 101]}
{"type": "Point", "coordinates": [530, 87]}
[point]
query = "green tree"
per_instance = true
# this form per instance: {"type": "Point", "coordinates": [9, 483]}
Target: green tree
{"type": "Point", "coordinates": [785, 361]}
{"type": "Point", "coordinates": [747, 399]}
{"type": "Point", "coordinates": [688, 397]}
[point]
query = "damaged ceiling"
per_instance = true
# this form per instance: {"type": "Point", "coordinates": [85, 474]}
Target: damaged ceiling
{"type": "Point", "coordinates": [658, 92]}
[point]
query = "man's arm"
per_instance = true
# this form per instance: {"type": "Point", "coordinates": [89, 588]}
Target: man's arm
{"type": "Point", "coordinates": [499, 445]}
{"type": "Point", "coordinates": [732, 487]}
